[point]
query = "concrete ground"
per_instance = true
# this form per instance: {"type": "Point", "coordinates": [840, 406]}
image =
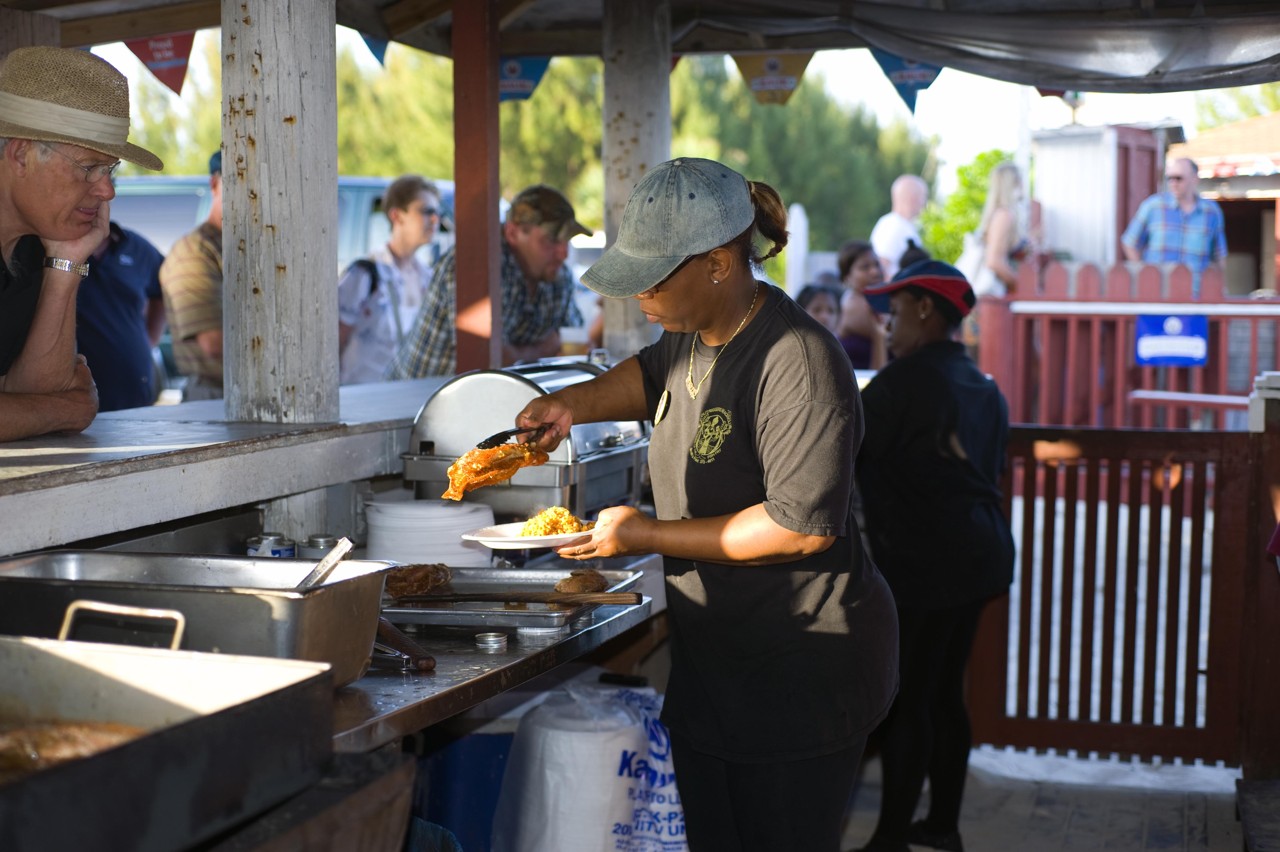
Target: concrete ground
{"type": "Point", "coordinates": [1015, 802]}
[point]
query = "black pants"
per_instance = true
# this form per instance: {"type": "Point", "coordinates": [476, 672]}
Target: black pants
{"type": "Point", "coordinates": [796, 806]}
{"type": "Point", "coordinates": [927, 732]}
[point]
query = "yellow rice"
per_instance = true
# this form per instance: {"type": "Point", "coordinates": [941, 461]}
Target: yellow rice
{"type": "Point", "coordinates": [554, 521]}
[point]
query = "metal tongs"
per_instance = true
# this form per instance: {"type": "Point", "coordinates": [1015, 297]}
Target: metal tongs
{"type": "Point", "coordinates": [501, 438]}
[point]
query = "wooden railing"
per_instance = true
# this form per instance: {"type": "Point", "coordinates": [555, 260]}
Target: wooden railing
{"type": "Point", "coordinates": [1062, 349]}
{"type": "Point", "coordinates": [1139, 594]}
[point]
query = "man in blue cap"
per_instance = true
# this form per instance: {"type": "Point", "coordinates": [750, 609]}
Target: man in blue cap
{"type": "Point", "coordinates": [191, 278]}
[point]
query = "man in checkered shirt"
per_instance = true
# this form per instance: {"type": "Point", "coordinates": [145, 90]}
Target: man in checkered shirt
{"type": "Point", "coordinates": [536, 286]}
{"type": "Point", "coordinates": [1178, 226]}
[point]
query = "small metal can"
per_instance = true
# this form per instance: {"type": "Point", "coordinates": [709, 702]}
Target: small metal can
{"type": "Point", "coordinates": [270, 544]}
{"type": "Point", "coordinates": [491, 641]}
{"type": "Point", "coordinates": [317, 546]}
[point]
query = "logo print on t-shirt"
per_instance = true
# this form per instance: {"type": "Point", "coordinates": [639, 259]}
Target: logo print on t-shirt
{"type": "Point", "coordinates": [714, 426]}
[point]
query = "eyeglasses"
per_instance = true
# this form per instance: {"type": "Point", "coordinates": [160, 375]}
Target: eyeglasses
{"type": "Point", "coordinates": [430, 213]}
{"type": "Point", "coordinates": [92, 174]}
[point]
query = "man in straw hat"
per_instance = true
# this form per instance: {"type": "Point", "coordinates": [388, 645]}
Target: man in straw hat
{"type": "Point", "coordinates": [64, 128]}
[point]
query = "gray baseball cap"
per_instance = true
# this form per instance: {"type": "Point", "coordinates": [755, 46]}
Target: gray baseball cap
{"type": "Point", "coordinates": [681, 208]}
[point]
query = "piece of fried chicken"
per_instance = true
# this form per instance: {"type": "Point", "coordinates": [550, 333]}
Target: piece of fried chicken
{"type": "Point", "coordinates": [478, 468]}
{"type": "Point", "coordinates": [583, 580]}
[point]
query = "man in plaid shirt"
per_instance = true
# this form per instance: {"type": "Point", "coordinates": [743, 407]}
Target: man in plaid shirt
{"type": "Point", "coordinates": [1178, 226]}
{"type": "Point", "coordinates": [537, 291]}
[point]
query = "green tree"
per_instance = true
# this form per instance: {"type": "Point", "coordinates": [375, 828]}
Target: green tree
{"type": "Point", "coordinates": [554, 137]}
{"type": "Point", "coordinates": [833, 159]}
{"type": "Point", "coordinates": [943, 226]}
{"type": "Point", "coordinates": [1214, 109]}
{"type": "Point", "coordinates": [182, 131]}
{"type": "Point", "coordinates": [397, 119]}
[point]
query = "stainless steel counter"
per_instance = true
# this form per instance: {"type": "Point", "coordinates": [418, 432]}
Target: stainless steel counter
{"type": "Point", "coordinates": [144, 466]}
{"type": "Point", "coordinates": [385, 705]}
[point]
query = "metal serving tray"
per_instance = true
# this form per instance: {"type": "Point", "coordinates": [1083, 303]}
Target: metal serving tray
{"type": "Point", "coordinates": [478, 614]}
{"type": "Point", "coordinates": [226, 737]}
{"type": "Point", "coordinates": [232, 604]}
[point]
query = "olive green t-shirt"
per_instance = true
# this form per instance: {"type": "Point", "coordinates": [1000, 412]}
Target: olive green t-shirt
{"type": "Point", "coordinates": [778, 662]}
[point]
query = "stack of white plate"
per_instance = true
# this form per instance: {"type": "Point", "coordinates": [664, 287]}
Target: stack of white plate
{"type": "Point", "coordinates": [407, 530]}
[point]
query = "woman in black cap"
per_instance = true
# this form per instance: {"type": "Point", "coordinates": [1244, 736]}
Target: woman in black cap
{"type": "Point", "coordinates": [929, 470]}
{"type": "Point", "coordinates": [783, 652]}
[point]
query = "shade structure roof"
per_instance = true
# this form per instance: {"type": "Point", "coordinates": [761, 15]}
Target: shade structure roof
{"type": "Point", "coordinates": [1084, 45]}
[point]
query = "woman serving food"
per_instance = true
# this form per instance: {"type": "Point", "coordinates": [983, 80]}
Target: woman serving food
{"type": "Point", "coordinates": [783, 634]}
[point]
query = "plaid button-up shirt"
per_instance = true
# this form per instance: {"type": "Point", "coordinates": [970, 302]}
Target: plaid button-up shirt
{"type": "Point", "coordinates": [1165, 234]}
{"type": "Point", "coordinates": [431, 348]}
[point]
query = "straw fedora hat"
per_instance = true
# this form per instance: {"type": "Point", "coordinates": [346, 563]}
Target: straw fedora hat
{"type": "Point", "coordinates": [55, 94]}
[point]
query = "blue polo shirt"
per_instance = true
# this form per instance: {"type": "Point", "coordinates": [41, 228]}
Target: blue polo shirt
{"type": "Point", "coordinates": [111, 327]}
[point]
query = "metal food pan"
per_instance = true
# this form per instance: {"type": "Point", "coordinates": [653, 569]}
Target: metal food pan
{"type": "Point", "coordinates": [489, 614]}
{"type": "Point", "coordinates": [232, 604]}
{"type": "Point", "coordinates": [226, 738]}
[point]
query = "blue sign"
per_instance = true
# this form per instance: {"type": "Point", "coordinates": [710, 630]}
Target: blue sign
{"type": "Point", "coordinates": [519, 76]}
{"type": "Point", "coordinates": [907, 76]}
{"type": "Point", "coordinates": [1171, 341]}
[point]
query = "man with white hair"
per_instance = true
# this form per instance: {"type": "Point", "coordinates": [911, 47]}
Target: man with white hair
{"type": "Point", "coordinates": [1178, 226]}
{"type": "Point", "coordinates": [897, 228]}
{"type": "Point", "coordinates": [64, 128]}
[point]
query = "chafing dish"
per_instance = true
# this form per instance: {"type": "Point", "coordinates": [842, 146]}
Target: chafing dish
{"type": "Point", "coordinates": [225, 738]}
{"type": "Point", "coordinates": [598, 465]}
{"type": "Point", "coordinates": [232, 604]}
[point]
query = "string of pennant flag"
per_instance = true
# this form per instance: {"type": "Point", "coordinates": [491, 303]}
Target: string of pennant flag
{"type": "Point", "coordinates": [772, 78]}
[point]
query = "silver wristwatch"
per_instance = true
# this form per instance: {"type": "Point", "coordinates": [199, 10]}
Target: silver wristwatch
{"type": "Point", "coordinates": [81, 269]}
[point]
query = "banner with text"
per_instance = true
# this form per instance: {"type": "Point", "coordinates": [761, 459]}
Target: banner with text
{"type": "Point", "coordinates": [772, 78]}
{"type": "Point", "coordinates": [165, 57]}
{"type": "Point", "coordinates": [519, 76]}
{"type": "Point", "coordinates": [906, 75]}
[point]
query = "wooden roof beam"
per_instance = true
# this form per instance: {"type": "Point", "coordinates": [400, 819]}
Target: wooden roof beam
{"type": "Point", "coordinates": [407, 15]}
{"type": "Point", "coordinates": [143, 23]}
{"type": "Point", "coordinates": [509, 11]}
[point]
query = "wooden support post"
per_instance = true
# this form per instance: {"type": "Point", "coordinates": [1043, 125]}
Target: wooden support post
{"type": "Point", "coordinates": [280, 216]}
{"type": "Point", "coordinates": [636, 42]}
{"type": "Point", "coordinates": [27, 29]}
{"type": "Point", "coordinates": [475, 171]}
{"type": "Point", "coordinates": [280, 225]}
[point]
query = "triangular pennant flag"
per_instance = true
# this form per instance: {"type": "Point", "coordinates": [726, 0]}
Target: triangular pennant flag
{"type": "Point", "coordinates": [1070, 98]}
{"type": "Point", "coordinates": [165, 56]}
{"type": "Point", "coordinates": [518, 76]}
{"type": "Point", "coordinates": [772, 79]}
{"type": "Point", "coordinates": [377, 46]}
{"type": "Point", "coordinates": [906, 75]}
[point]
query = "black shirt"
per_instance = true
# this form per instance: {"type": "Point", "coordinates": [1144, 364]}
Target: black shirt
{"type": "Point", "coordinates": [929, 470]}
{"type": "Point", "coordinates": [769, 662]}
{"type": "Point", "coordinates": [21, 276]}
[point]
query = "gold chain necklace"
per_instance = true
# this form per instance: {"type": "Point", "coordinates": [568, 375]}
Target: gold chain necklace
{"type": "Point", "coordinates": [688, 379]}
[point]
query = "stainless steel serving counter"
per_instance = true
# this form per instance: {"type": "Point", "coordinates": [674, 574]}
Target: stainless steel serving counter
{"type": "Point", "coordinates": [143, 466]}
{"type": "Point", "coordinates": [386, 705]}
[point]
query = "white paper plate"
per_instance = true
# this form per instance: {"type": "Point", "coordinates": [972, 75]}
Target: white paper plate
{"type": "Point", "coordinates": [507, 537]}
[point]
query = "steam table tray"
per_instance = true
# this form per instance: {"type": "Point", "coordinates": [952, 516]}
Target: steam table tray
{"type": "Point", "coordinates": [499, 614]}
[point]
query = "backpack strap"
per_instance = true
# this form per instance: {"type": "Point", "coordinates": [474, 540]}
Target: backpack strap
{"type": "Point", "coordinates": [371, 268]}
